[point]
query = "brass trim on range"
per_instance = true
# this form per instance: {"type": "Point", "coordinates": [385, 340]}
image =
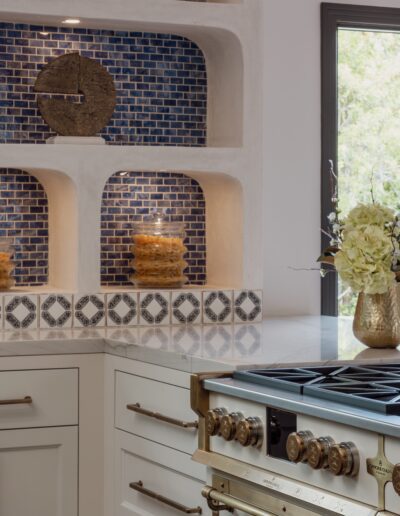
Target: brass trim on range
{"type": "Point", "coordinates": [200, 403]}
{"type": "Point", "coordinates": [20, 401]}
{"type": "Point", "coordinates": [138, 486]}
{"type": "Point", "coordinates": [380, 468]}
{"type": "Point", "coordinates": [227, 494]}
{"type": "Point", "coordinates": [215, 498]}
{"type": "Point", "coordinates": [166, 419]}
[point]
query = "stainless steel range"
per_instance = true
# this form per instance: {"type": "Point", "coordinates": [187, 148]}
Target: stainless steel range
{"type": "Point", "coordinates": [301, 441]}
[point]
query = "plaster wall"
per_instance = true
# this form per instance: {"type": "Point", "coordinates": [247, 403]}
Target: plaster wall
{"type": "Point", "coordinates": [292, 152]}
{"type": "Point", "coordinates": [229, 169]}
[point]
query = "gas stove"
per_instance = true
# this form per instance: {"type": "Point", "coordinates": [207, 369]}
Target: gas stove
{"type": "Point", "coordinates": [306, 440]}
{"type": "Point", "coordinates": [376, 387]}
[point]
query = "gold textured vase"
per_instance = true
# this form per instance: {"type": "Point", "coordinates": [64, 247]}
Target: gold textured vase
{"type": "Point", "coordinates": [377, 319]}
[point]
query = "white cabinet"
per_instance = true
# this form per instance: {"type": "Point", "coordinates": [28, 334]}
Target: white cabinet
{"type": "Point", "coordinates": [39, 442]}
{"type": "Point", "coordinates": [38, 472]}
{"type": "Point", "coordinates": [53, 394]}
{"type": "Point", "coordinates": [149, 469]}
{"type": "Point", "coordinates": [145, 470]}
{"type": "Point", "coordinates": [170, 404]}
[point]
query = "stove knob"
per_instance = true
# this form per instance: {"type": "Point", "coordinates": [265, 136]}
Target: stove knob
{"type": "Point", "coordinates": [396, 478]}
{"type": "Point", "coordinates": [317, 452]}
{"type": "Point", "coordinates": [344, 459]}
{"type": "Point", "coordinates": [250, 431]}
{"type": "Point", "coordinates": [229, 424]}
{"type": "Point", "coordinates": [213, 420]}
{"type": "Point", "coordinates": [296, 446]}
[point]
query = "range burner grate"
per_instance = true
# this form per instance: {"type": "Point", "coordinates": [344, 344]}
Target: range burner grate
{"type": "Point", "coordinates": [376, 387]}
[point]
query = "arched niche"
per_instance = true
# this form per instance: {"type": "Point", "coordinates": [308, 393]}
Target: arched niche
{"type": "Point", "coordinates": [130, 196]}
{"type": "Point", "coordinates": [223, 53]}
{"type": "Point", "coordinates": [63, 269]}
{"type": "Point", "coordinates": [24, 222]}
{"type": "Point", "coordinates": [224, 228]}
{"type": "Point", "coordinates": [224, 241]}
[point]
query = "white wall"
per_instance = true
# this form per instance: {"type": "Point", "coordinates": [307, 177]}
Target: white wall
{"type": "Point", "coordinates": [291, 152]}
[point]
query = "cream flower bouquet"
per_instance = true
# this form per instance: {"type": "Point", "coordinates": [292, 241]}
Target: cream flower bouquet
{"type": "Point", "coordinates": [364, 248]}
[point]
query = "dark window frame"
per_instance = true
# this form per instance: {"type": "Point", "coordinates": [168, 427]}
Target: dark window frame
{"type": "Point", "coordinates": [333, 17]}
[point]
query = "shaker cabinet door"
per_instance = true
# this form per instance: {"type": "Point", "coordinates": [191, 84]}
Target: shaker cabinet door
{"type": "Point", "coordinates": [39, 472]}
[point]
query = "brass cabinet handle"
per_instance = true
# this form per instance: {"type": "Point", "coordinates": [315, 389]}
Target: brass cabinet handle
{"type": "Point", "coordinates": [183, 424]}
{"type": "Point", "coordinates": [215, 498]}
{"type": "Point", "coordinates": [138, 486]}
{"type": "Point", "coordinates": [21, 401]}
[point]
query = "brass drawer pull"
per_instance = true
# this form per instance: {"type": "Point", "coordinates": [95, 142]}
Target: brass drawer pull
{"type": "Point", "coordinates": [138, 486]}
{"type": "Point", "coordinates": [21, 401]}
{"type": "Point", "coordinates": [183, 424]}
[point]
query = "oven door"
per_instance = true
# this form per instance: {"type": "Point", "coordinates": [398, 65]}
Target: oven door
{"type": "Point", "coordinates": [242, 498]}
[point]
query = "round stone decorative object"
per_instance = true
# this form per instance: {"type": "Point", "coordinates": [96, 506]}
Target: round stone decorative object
{"type": "Point", "coordinates": [73, 74]}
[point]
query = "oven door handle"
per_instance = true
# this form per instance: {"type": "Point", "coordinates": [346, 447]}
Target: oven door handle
{"type": "Point", "coordinates": [215, 498]}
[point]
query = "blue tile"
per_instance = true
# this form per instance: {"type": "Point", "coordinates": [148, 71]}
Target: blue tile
{"type": "Point", "coordinates": [148, 70]}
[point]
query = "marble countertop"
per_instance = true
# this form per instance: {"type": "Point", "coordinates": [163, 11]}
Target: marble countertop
{"type": "Point", "coordinates": [273, 342]}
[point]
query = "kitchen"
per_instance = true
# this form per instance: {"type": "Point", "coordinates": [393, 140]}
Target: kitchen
{"type": "Point", "coordinates": [154, 394]}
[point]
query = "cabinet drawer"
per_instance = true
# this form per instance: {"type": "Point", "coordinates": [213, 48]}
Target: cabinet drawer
{"type": "Point", "coordinates": [155, 397]}
{"type": "Point", "coordinates": [54, 395]}
{"type": "Point", "coordinates": [135, 465]}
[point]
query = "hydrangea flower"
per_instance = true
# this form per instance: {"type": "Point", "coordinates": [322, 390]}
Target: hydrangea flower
{"type": "Point", "coordinates": [365, 258]}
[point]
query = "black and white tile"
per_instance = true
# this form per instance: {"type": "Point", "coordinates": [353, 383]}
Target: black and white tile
{"type": "Point", "coordinates": [217, 307]}
{"type": "Point", "coordinates": [20, 312]}
{"type": "Point", "coordinates": [122, 309]}
{"type": "Point", "coordinates": [56, 311]}
{"type": "Point", "coordinates": [89, 311]}
{"type": "Point", "coordinates": [186, 307]}
{"type": "Point", "coordinates": [154, 308]}
{"type": "Point", "coordinates": [248, 306]}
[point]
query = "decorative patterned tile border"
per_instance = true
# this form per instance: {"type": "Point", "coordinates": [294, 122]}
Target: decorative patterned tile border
{"type": "Point", "coordinates": [20, 312]}
{"type": "Point", "coordinates": [217, 307]}
{"type": "Point", "coordinates": [186, 307]}
{"type": "Point", "coordinates": [248, 306]}
{"type": "Point", "coordinates": [56, 311]}
{"type": "Point", "coordinates": [154, 308]}
{"type": "Point", "coordinates": [90, 311]}
{"type": "Point", "coordinates": [121, 311]}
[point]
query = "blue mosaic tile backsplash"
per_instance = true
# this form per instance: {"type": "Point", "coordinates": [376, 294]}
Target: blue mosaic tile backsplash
{"type": "Point", "coordinates": [160, 80]}
{"type": "Point", "coordinates": [24, 218]}
{"type": "Point", "coordinates": [130, 196]}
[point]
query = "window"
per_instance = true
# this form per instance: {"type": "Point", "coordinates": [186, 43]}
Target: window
{"type": "Point", "coordinates": [360, 119]}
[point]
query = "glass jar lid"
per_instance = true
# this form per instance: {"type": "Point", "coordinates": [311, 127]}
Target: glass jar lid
{"type": "Point", "coordinates": [159, 224]}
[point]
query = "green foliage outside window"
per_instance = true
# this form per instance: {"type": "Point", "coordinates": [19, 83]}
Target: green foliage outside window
{"type": "Point", "coordinates": [369, 125]}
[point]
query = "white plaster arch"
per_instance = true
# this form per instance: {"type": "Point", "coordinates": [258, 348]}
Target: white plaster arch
{"type": "Point", "coordinates": [224, 224]}
{"type": "Point", "coordinates": [63, 226]}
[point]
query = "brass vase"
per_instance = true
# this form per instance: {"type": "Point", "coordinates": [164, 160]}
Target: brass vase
{"type": "Point", "coordinates": [377, 319]}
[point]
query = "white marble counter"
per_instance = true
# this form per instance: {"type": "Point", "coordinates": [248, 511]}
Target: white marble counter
{"type": "Point", "coordinates": [274, 342]}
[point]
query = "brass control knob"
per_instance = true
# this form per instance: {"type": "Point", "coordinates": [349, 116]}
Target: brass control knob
{"type": "Point", "coordinates": [317, 452]}
{"type": "Point", "coordinates": [396, 478]}
{"type": "Point", "coordinates": [213, 420]}
{"type": "Point", "coordinates": [344, 459]}
{"type": "Point", "coordinates": [228, 425]}
{"type": "Point", "coordinates": [250, 431]}
{"type": "Point", "coordinates": [296, 445]}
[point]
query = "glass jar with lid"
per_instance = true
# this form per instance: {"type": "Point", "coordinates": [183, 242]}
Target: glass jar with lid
{"type": "Point", "coordinates": [158, 249]}
{"type": "Point", "coordinates": [6, 264]}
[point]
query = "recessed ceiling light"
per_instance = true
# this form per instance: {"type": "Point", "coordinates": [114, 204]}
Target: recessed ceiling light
{"type": "Point", "coordinates": [72, 21]}
{"type": "Point", "coordinates": [44, 33]}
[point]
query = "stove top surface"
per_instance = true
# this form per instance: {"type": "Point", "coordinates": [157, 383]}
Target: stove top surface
{"type": "Point", "coordinates": [372, 387]}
